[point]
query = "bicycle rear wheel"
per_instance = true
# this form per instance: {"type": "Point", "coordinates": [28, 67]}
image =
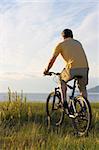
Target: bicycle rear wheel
{"type": "Point", "coordinates": [83, 121]}
{"type": "Point", "coordinates": [54, 109]}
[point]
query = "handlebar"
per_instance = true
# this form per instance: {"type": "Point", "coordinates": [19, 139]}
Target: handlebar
{"type": "Point", "coordinates": [52, 73]}
{"type": "Point", "coordinates": [57, 74]}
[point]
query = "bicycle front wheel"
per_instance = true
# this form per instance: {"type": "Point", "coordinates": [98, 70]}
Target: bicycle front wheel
{"type": "Point", "coordinates": [54, 109]}
{"type": "Point", "coordinates": [83, 121]}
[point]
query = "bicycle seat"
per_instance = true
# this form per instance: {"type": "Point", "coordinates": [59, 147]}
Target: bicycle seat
{"type": "Point", "coordinates": [78, 77]}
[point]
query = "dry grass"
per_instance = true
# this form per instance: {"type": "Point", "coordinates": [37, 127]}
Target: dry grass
{"type": "Point", "coordinates": [23, 127]}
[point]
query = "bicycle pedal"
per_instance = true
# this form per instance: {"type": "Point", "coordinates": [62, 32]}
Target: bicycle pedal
{"type": "Point", "coordinates": [73, 116]}
{"type": "Point", "coordinates": [60, 105]}
{"type": "Point", "coordinates": [66, 111]}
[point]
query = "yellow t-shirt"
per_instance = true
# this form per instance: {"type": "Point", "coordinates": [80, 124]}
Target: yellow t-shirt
{"type": "Point", "coordinates": [72, 52]}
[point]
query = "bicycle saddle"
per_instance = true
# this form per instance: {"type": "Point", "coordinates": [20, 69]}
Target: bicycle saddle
{"type": "Point", "coordinates": [78, 76]}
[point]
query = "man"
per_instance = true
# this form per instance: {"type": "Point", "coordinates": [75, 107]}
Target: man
{"type": "Point", "coordinates": [76, 63]}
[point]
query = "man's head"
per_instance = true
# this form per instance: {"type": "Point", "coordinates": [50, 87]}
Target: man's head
{"type": "Point", "coordinates": [67, 33]}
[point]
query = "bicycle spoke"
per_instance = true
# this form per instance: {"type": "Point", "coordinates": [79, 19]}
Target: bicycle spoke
{"type": "Point", "coordinates": [54, 109]}
{"type": "Point", "coordinates": [83, 120]}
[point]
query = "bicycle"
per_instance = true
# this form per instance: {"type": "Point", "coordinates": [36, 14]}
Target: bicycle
{"type": "Point", "coordinates": [79, 109]}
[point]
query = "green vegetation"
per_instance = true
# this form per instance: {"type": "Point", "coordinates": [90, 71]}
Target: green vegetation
{"type": "Point", "coordinates": [23, 127]}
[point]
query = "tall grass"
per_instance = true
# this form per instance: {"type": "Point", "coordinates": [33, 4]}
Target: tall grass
{"type": "Point", "coordinates": [23, 127]}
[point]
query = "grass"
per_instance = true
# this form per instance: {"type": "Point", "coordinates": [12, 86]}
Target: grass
{"type": "Point", "coordinates": [23, 127]}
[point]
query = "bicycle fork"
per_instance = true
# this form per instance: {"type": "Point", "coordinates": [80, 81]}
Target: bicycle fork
{"type": "Point", "coordinates": [72, 109]}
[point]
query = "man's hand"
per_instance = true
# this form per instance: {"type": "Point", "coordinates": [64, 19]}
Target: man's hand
{"type": "Point", "coordinates": [45, 72]}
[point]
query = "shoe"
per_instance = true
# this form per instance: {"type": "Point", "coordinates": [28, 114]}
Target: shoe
{"type": "Point", "coordinates": [65, 105]}
{"type": "Point", "coordinates": [73, 116]}
{"type": "Point", "coordinates": [66, 111]}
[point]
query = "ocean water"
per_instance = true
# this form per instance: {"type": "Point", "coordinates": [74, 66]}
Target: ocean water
{"type": "Point", "coordinates": [41, 97]}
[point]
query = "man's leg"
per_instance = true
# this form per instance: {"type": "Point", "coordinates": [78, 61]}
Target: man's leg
{"type": "Point", "coordinates": [64, 93]}
{"type": "Point", "coordinates": [83, 82]}
{"type": "Point", "coordinates": [64, 78]}
{"type": "Point", "coordinates": [83, 91]}
{"type": "Point", "coordinates": [82, 87]}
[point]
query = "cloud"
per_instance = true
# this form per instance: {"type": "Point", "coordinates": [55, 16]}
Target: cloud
{"type": "Point", "coordinates": [11, 76]}
{"type": "Point", "coordinates": [21, 36]}
{"type": "Point", "coordinates": [88, 33]}
{"type": "Point", "coordinates": [17, 76]}
{"type": "Point", "coordinates": [29, 31]}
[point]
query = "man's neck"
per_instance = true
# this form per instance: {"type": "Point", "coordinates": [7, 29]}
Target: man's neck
{"type": "Point", "coordinates": [67, 38]}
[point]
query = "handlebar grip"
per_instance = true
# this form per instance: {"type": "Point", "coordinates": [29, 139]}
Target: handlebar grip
{"type": "Point", "coordinates": [49, 73]}
{"type": "Point", "coordinates": [52, 73]}
{"type": "Point", "coordinates": [58, 74]}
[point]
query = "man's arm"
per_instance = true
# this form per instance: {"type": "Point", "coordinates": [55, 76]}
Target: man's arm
{"type": "Point", "coordinates": [50, 64]}
{"type": "Point", "coordinates": [52, 60]}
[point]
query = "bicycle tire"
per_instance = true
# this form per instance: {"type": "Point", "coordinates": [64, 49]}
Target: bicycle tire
{"type": "Point", "coordinates": [82, 122]}
{"type": "Point", "coordinates": [54, 109]}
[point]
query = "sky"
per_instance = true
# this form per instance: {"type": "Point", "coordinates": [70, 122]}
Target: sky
{"type": "Point", "coordinates": [30, 30]}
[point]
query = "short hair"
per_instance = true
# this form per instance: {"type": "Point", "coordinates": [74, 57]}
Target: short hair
{"type": "Point", "coordinates": [67, 33]}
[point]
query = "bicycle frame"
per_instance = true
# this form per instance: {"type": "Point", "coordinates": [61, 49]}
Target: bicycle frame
{"type": "Point", "coordinates": [72, 88]}
{"type": "Point", "coordinates": [71, 98]}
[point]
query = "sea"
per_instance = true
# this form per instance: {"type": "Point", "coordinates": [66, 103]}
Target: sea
{"type": "Point", "coordinates": [41, 97]}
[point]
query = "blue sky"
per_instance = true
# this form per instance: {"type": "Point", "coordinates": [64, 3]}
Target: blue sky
{"type": "Point", "coordinates": [29, 31]}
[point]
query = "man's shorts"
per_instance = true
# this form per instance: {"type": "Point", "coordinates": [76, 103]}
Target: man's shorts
{"type": "Point", "coordinates": [68, 74]}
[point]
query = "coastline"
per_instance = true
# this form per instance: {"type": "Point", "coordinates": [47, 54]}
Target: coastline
{"type": "Point", "coordinates": [41, 97]}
